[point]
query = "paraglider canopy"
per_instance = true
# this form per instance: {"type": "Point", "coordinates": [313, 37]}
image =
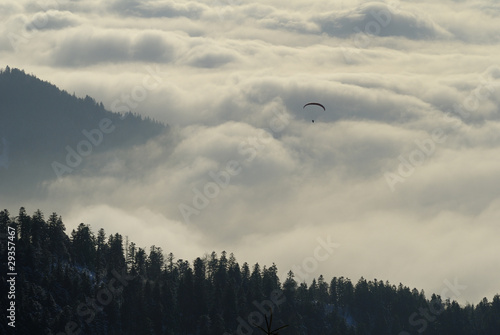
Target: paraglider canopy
{"type": "Point", "coordinates": [314, 104]}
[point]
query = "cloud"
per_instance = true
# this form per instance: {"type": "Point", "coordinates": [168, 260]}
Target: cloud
{"type": "Point", "coordinates": [309, 183]}
{"type": "Point", "coordinates": [10, 8]}
{"type": "Point", "coordinates": [83, 48]}
{"type": "Point", "coordinates": [233, 80]}
{"type": "Point", "coordinates": [181, 240]}
{"type": "Point", "coordinates": [272, 18]}
{"type": "Point", "coordinates": [160, 8]}
{"type": "Point", "coordinates": [379, 19]}
{"type": "Point", "coordinates": [475, 23]}
{"type": "Point", "coordinates": [151, 47]}
{"type": "Point", "coordinates": [210, 56]}
{"type": "Point", "coordinates": [52, 20]}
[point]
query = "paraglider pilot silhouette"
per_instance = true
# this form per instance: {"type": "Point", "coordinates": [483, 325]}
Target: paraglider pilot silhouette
{"type": "Point", "coordinates": [314, 104]}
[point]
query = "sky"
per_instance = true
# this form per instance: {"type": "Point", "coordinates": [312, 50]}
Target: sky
{"type": "Point", "coordinates": [397, 180]}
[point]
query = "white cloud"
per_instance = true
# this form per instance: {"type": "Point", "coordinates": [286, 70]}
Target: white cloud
{"type": "Point", "coordinates": [233, 80]}
{"type": "Point", "coordinates": [160, 8]}
{"type": "Point", "coordinates": [206, 56]}
{"type": "Point", "coordinates": [52, 20]}
{"type": "Point", "coordinates": [178, 238]}
{"type": "Point", "coordinates": [379, 19]}
{"type": "Point", "coordinates": [90, 46]}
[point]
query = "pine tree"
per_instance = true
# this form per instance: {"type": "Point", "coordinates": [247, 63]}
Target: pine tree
{"type": "Point", "coordinates": [255, 285]}
{"type": "Point", "coordinates": [322, 293]}
{"type": "Point", "coordinates": [270, 280]}
{"type": "Point", "coordinates": [155, 262]}
{"type": "Point", "coordinates": [139, 265]}
{"type": "Point", "coordinates": [187, 301]}
{"type": "Point", "coordinates": [101, 254]}
{"type": "Point", "coordinates": [116, 258]}
{"type": "Point", "coordinates": [58, 241]}
{"type": "Point", "coordinates": [84, 246]}
{"type": "Point", "coordinates": [25, 227]}
{"type": "Point", "coordinates": [200, 288]}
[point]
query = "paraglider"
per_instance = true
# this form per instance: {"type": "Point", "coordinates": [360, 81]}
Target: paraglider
{"type": "Point", "coordinates": [315, 104]}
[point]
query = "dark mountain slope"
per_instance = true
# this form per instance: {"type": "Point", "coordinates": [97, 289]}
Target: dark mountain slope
{"type": "Point", "coordinates": [41, 124]}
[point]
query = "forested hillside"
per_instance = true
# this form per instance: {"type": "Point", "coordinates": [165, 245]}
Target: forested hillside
{"type": "Point", "coordinates": [45, 132]}
{"type": "Point", "coordinates": [93, 283]}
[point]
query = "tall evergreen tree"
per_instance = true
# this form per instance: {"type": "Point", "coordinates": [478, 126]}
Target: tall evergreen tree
{"type": "Point", "coordinates": [255, 285]}
{"type": "Point", "coordinates": [116, 258]}
{"type": "Point", "coordinates": [200, 288]}
{"type": "Point", "coordinates": [84, 246]}
{"type": "Point", "coordinates": [155, 262]}
{"type": "Point", "coordinates": [187, 301]}
{"type": "Point", "coordinates": [58, 241]}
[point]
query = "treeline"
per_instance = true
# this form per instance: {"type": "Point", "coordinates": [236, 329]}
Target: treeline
{"type": "Point", "coordinates": [92, 283]}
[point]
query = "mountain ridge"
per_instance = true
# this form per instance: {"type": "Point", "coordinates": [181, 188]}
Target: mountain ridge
{"type": "Point", "coordinates": [46, 133]}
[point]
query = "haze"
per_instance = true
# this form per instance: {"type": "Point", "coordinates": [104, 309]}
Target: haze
{"type": "Point", "coordinates": [400, 173]}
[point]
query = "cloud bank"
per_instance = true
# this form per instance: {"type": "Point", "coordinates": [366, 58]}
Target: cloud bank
{"type": "Point", "coordinates": [400, 170]}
